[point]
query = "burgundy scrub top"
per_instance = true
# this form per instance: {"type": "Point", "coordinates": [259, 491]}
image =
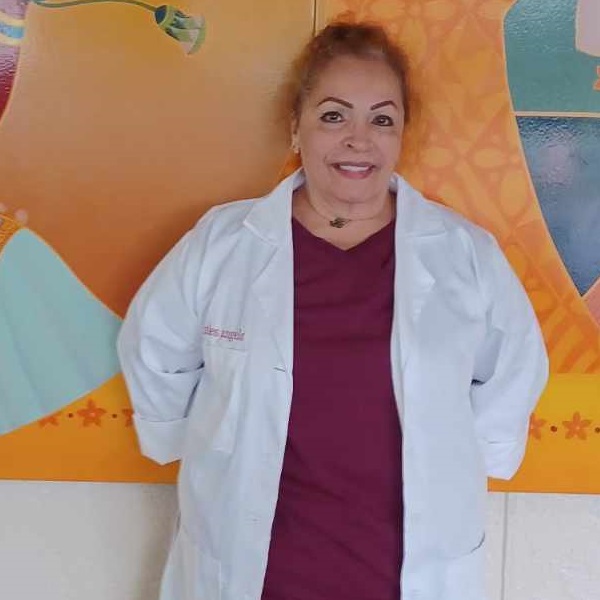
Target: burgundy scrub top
{"type": "Point", "coordinates": [337, 532]}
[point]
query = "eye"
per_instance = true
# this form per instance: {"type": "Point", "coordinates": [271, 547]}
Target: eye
{"type": "Point", "coordinates": [332, 116]}
{"type": "Point", "coordinates": [383, 121]}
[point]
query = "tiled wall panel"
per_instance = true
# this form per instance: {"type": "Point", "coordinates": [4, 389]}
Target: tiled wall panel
{"type": "Point", "coordinates": [553, 548]}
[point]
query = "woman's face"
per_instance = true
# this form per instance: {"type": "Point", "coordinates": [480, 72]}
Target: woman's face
{"type": "Point", "coordinates": [350, 130]}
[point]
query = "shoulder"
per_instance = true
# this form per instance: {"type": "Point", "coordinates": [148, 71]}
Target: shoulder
{"type": "Point", "coordinates": [264, 218]}
{"type": "Point", "coordinates": [227, 216]}
{"type": "Point", "coordinates": [425, 215]}
{"type": "Point", "coordinates": [221, 225]}
{"type": "Point", "coordinates": [457, 244]}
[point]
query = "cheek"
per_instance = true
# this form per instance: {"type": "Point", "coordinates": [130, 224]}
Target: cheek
{"type": "Point", "coordinates": [316, 147]}
{"type": "Point", "coordinates": [391, 148]}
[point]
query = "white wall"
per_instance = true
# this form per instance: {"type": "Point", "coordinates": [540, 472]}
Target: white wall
{"type": "Point", "coordinates": [94, 541]}
{"type": "Point", "coordinates": [83, 541]}
{"type": "Point", "coordinates": [544, 547]}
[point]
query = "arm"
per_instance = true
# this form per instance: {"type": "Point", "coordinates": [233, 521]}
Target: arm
{"type": "Point", "coordinates": [159, 347]}
{"type": "Point", "coordinates": [511, 367]}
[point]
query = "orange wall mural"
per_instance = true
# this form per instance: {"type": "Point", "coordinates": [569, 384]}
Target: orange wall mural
{"type": "Point", "coordinates": [114, 142]}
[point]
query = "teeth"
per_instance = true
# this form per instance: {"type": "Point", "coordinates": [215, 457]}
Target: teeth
{"type": "Point", "coordinates": [353, 168]}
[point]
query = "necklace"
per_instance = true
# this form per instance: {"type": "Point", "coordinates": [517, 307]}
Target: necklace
{"type": "Point", "coordinates": [338, 222]}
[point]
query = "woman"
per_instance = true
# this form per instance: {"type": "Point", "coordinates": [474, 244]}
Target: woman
{"type": "Point", "coordinates": [339, 365]}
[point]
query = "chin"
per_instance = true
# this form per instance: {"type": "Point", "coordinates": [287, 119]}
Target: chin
{"type": "Point", "coordinates": [358, 193]}
{"type": "Point", "coordinates": [374, 185]}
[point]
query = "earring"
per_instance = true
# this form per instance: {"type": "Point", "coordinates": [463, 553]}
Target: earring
{"type": "Point", "coordinates": [295, 145]}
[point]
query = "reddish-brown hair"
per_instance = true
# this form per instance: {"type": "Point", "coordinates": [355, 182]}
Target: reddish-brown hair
{"type": "Point", "coordinates": [361, 40]}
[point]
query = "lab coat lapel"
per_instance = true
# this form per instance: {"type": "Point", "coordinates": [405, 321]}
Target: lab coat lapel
{"type": "Point", "coordinates": [412, 289]}
{"type": "Point", "coordinates": [270, 220]}
{"type": "Point", "coordinates": [274, 288]}
{"type": "Point", "coordinates": [417, 226]}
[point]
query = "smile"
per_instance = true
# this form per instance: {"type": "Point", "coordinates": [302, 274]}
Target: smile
{"type": "Point", "coordinates": [354, 170]}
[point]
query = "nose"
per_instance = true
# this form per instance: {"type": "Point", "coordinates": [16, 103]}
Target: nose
{"type": "Point", "coordinates": [358, 138]}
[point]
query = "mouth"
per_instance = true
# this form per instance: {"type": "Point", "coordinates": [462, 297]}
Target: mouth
{"type": "Point", "coordinates": [354, 170]}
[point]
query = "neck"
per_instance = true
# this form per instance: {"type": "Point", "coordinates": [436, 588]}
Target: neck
{"type": "Point", "coordinates": [351, 233]}
{"type": "Point", "coordinates": [340, 210]}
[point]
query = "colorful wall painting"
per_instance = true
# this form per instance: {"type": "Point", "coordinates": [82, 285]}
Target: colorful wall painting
{"type": "Point", "coordinates": [552, 82]}
{"type": "Point", "coordinates": [553, 65]}
{"type": "Point", "coordinates": [57, 342]}
{"type": "Point", "coordinates": [200, 130]}
{"type": "Point", "coordinates": [187, 30]}
{"type": "Point", "coordinates": [466, 150]}
{"type": "Point", "coordinates": [112, 144]}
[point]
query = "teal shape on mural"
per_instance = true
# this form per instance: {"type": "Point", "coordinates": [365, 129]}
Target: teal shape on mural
{"type": "Point", "coordinates": [57, 340]}
{"type": "Point", "coordinates": [553, 87]}
{"type": "Point", "coordinates": [563, 155]}
{"type": "Point", "coordinates": [546, 71]}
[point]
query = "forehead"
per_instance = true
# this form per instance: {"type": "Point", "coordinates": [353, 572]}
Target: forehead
{"type": "Point", "coordinates": [348, 77]}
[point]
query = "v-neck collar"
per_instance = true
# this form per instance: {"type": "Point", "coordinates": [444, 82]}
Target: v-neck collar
{"type": "Point", "coordinates": [297, 226]}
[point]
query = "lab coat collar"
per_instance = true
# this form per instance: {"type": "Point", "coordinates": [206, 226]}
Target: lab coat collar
{"type": "Point", "coordinates": [270, 217]}
{"type": "Point", "coordinates": [418, 223]}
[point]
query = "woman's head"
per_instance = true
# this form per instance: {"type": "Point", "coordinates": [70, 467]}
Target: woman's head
{"type": "Point", "coordinates": [357, 40]}
{"type": "Point", "coordinates": [349, 104]}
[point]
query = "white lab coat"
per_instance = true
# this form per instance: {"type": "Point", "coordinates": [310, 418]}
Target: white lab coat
{"type": "Point", "coordinates": [206, 350]}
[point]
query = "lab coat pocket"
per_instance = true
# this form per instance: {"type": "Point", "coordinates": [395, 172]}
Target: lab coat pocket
{"type": "Point", "coordinates": [190, 573]}
{"type": "Point", "coordinates": [465, 575]}
{"type": "Point", "coordinates": [215, 414]}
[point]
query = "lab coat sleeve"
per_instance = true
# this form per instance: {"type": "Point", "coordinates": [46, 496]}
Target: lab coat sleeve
{"type": "Point", "coordinates": [160, 350]}
{"type": "Point", "coordinates": [511, 367]}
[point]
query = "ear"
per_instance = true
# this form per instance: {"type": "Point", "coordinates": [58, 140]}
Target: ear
{"type": "Point", "coordinates": [294, 126]}
{"type": "Point", "coordinates": [294, 135]}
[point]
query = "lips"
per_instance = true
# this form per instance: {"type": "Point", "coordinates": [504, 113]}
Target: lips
{"type": "Point", "coordinates": [354, 170]}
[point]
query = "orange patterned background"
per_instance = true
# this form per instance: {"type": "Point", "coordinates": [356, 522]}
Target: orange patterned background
{"type": "Point", "coordinates": [463, 149]}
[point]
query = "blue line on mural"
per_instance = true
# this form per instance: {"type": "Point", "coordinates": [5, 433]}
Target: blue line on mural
{"type": "Point", "coordinates": [71, 3]}
{"type": "Point", "coordinates": [574, 115]}
{"type": "Point", "coordinates": [11, 31]}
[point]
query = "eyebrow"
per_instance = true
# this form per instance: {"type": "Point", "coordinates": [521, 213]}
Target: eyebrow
{"type": "Point", "coordinates": [349, 105]}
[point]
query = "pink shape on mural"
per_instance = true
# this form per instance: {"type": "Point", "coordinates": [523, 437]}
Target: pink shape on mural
{"type": "Point", "coordinates": [588, 27]}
